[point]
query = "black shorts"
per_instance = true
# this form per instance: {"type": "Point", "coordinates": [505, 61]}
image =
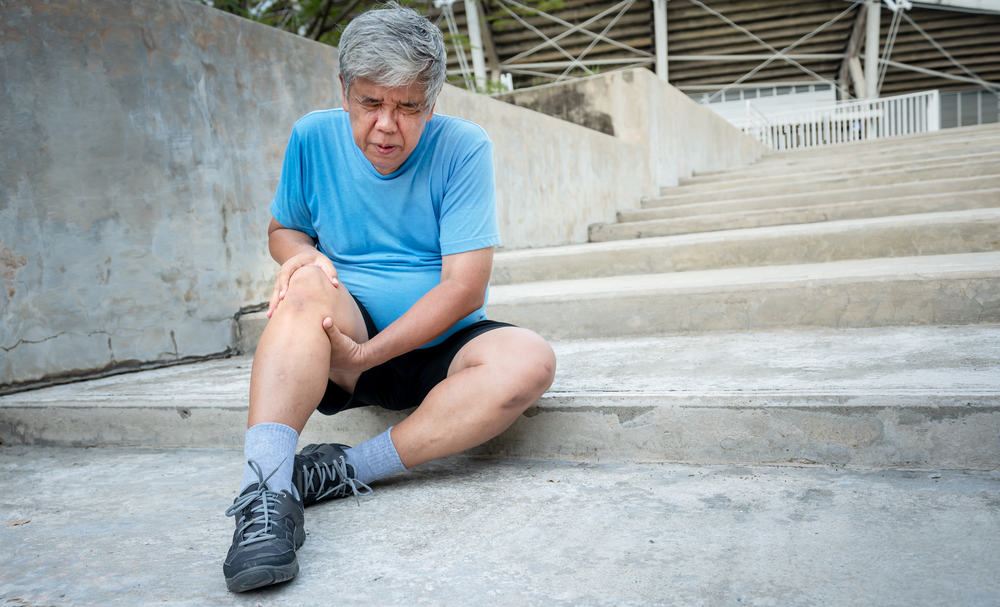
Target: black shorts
{"type": "Point", "coordinates": [404, 381]}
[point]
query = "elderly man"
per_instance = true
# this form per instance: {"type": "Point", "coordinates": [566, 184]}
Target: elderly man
{"type": "Point", "coordinates": [384, 224]}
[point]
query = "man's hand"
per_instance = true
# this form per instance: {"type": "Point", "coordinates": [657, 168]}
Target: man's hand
{"type": "Point", "coordinates": [306, 258]}
{"type": "Point", "coordinates": [345, 353]}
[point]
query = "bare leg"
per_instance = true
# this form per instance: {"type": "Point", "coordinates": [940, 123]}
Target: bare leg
{"type": "Point", "coordinates": [491, 381]}
{"type": "Point", "coordinates": [292, 362]}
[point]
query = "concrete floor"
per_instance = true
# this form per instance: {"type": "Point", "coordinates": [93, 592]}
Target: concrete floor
{"type": "Point", "coordinates": [137, 526]}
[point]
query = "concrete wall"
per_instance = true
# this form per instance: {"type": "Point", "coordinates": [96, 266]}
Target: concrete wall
{"type": "Point", "coordinates": [141, 141]}
{"type": "Point", "coordinates": [141, 144]}
{"type": "Point", "coordinates": [679, 135]}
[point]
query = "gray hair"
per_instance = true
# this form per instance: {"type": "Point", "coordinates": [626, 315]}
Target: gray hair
{"type": "Point", "coordinates": [394, 46]}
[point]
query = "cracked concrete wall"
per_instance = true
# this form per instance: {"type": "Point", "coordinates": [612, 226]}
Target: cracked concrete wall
{"type": "Point", "coordinates": [141, 144]}
{"type": "Point", "coordinates": [678, 135]}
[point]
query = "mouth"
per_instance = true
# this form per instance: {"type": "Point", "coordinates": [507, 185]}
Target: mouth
{"type": "Point", "coordinates": [384, 150]}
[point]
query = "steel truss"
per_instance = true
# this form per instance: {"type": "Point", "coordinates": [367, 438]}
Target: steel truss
{"type": "Point", "coordinates": [862, 46]}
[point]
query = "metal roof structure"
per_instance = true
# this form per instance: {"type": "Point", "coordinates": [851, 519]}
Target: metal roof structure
{"type": "Point", "coordinates": [713, 45]}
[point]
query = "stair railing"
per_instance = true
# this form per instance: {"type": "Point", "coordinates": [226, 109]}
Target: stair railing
{"type": "Point", "coordinates": [846, 122]}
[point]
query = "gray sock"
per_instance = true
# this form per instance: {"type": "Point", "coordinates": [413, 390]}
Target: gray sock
{"type": "Point", "coordinates": [272, 447]}
{"type": "Point", "coordinates": [375, 458]}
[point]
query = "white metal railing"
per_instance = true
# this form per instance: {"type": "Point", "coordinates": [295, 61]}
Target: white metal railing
{"type": "Point", "coordinates": [845, 122]}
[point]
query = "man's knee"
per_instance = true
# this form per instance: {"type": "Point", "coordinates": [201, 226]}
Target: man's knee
{"type": "Point", "coordinates": [530, 366]}
{"type": "Point", "coordinates": [537, 364]}
{"type": "Point", "coordinates": [308, 286]}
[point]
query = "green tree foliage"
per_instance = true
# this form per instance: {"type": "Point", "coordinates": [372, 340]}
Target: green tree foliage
{"type": "Point", "coordinates": [323, 20]}
{"type": "Point", "coordinates": [320, 20]}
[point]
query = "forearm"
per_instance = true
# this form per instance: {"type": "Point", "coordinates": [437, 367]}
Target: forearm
{"type": "Point", "coordinates": [284, 243]}
{"type": "Point", "coordinates": [428, 318]}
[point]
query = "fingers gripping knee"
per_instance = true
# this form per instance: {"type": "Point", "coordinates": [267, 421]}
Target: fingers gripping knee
{"type": "Point", "coordinates": [314, 298]}
{"type": "Point", "coordinates": [309, 288]}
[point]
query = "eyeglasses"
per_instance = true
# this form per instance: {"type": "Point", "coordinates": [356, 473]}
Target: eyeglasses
{"type": "Point", "coordinates": [406, 109]}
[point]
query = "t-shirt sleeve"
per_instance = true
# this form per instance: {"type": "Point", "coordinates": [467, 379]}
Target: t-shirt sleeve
{"type": "Point", "coordinates": [289, 205]}
{"type": "Point", "coordinates": [468, 218]}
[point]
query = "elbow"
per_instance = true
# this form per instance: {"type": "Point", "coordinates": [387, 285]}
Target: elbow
{"type": "Point", "coordinates": [475, 302]}
{"type": "Point", "coordinates": [471, 299]}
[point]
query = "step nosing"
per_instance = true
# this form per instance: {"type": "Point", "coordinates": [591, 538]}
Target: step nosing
{"type": "Point", "coordinates": [936, 219]}
{"type": "Point", "coordinates": [885, 270]}
{"type": "Point", "coordinates": [745, 191]}
{"type": "Point", "coordinates": [630, 218]}
{"type": "Point", "coordinates": [942, 399]}
{"type": "Point", "coordinates": [861, 171]}
{"type": "Point", "coordinates": [958, 182]}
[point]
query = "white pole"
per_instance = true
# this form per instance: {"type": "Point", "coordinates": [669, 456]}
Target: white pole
{"type": "Point", "coordinates": [871, 48]}
{"type": "Point", "coordinates": [476, 42]}
{"type": "Point", "coordinates": [934, 112]}
{"type": "Point", "coordinates": [660, 33]}
{"type": "Point", "coordinates": [858, 77]}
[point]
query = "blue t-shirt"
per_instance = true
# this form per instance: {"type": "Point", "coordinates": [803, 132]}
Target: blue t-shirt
{"type": "Point", "coordinates": [386, 234]}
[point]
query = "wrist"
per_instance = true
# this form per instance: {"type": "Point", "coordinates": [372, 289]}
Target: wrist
{"type": "Point", "coordinates": [367, 356]}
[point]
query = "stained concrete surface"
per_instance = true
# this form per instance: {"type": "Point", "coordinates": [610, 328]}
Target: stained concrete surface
{"type": "Point", "coordinates": [131, 526]}
{"type": "Point", "coordinates": [905, 396]}
{"type": "Point", "coordinates": [142, 144]}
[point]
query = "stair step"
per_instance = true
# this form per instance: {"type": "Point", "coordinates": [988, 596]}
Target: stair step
{"type": "Point", "coordinates": [831, 194]}
{"type": "Point", "coordinates": [886, 165]}
{"type": "Point", "coordinates": [910, 396]}
{"type": "Point", "coordinates": [903, 142]}
{"type": "Point", "coordinates": [811, 184]}
{"type": "Point", "coordinates": [967, 231]}
{"type": "Point", "coordinates": [772, 165]}
{"type": "Point", "coordinates": [808, 212]}
{"type": "Point", "coordinates": [931, 289]}
{"type": "Point", "coordinates": [941, 136]}
{"type": "Point", "coordinates": [857, 155]}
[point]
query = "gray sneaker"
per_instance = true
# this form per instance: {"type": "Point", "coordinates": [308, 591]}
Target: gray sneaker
{"type": "Point", "coordinates": [270, 527]}
{"type": "Point", "coordinates": [322, 472]}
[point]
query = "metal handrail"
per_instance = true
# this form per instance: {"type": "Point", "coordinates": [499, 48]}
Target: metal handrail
{"type": "Point", "coordinates": [845, 122]}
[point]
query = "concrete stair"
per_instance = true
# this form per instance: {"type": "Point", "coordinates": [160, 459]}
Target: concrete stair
{"type": "Point", "coordinates": [729, 216]}
{"type": "Point", "coordinates": [980, 165]}
{"type": "Point", "coordinates": [923, 397]}
{"type": "Point", "coordinates": [834, 188]}
{"type": "Point", "coordinates": [834, 307]}
{"type": "Point", "coordinates": [912, 185]}
{"type": "Point", "coordinates": [952, 170]}
{"type": "Point", "coordinates": [941, 145]}
{"type": "Point", "coordinates": [866, 242]}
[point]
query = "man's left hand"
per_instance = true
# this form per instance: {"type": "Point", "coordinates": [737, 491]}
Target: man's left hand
{"type": "Point", "coordinates": [345, 353]}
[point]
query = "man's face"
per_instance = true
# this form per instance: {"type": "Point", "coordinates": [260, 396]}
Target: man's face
{"type": "Point", "coordinates": [386, 121]}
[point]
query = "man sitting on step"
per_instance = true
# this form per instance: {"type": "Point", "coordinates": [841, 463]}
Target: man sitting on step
{"type": "Point", "coordinates": [384, 224]}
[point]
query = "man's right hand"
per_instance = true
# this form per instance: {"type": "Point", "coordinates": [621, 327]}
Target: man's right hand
{"type": "Point", "coordinates": [305, 258]}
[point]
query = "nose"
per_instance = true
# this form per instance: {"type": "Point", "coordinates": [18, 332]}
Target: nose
{"type": "Point", "coordinates": [386, 118]}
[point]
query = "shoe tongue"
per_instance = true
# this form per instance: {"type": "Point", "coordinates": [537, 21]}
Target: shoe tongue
{"type": "Point", "coordinates": [251, 488]}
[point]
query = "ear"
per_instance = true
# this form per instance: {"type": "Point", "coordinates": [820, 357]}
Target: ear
{"type": "Point", "coordinates": [343, 91]}
{"type": "Point", "coordinates": [430, 114]}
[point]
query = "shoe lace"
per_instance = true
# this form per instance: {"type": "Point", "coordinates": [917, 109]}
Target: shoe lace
{"type": "Point", "coordinates": [260, 513]}
{"type": "Point", "coordinates": [318, 474]}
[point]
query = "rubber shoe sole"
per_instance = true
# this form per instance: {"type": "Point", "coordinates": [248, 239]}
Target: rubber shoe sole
{"type": "Point", "coordinates": [265, 575]}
